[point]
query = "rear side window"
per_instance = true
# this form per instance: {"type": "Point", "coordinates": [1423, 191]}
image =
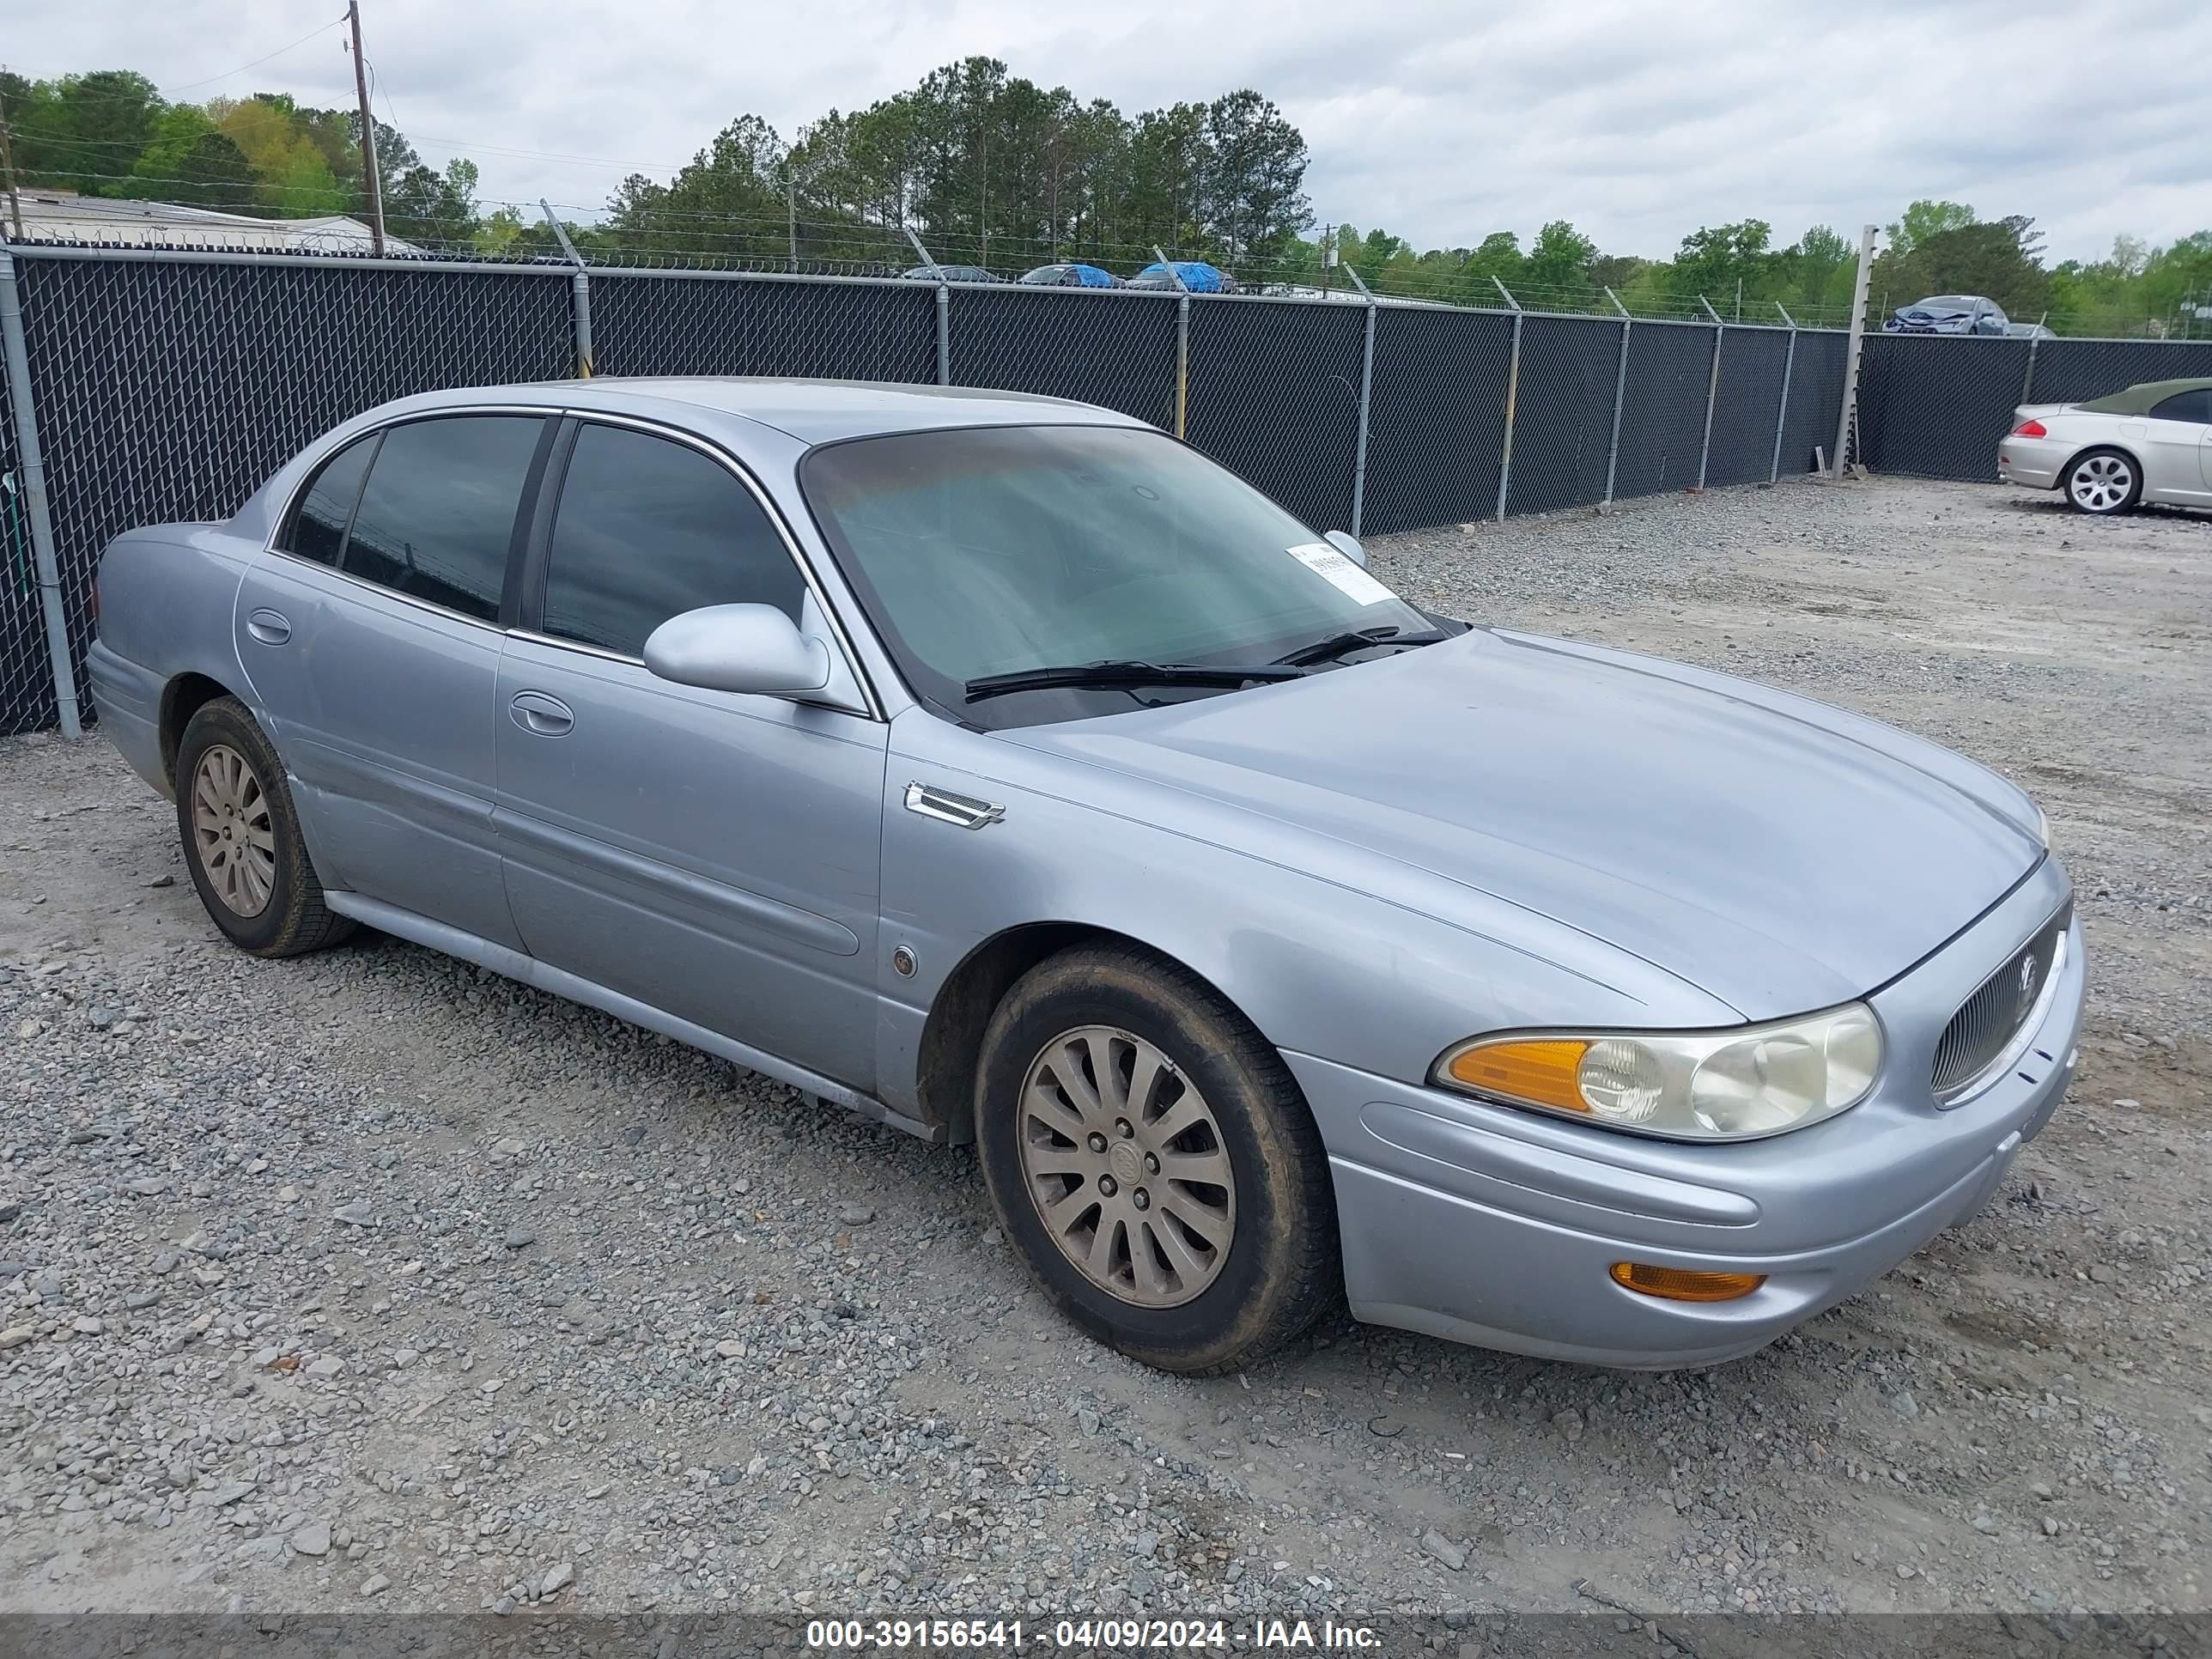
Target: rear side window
{"type": "Point", "coordinates": [317, 529]}
{"type": "Point", "coordinates": [2185, 406]}
{"type": "Point", "coordinates": [648, 529]}
{"type": "Point", "coordinates": [438, 516]}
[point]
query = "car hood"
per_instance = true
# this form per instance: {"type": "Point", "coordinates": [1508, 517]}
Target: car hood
{"type": "Point", "coordinates": [1780, 854]}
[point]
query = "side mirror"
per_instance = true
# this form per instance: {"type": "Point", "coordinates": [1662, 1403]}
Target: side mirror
{"type": "Point", "coordinates": [1348, 545]}
{"type": "Point", "coordinates": [738, 647]}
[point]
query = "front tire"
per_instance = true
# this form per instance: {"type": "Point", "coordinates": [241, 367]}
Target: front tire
{"type": "Point", "coordinates": [1152, 1159]}
{"type": "Point", "coordinates": [2104, 481]}
{"type": "Point", "coordinates": [241, 837]}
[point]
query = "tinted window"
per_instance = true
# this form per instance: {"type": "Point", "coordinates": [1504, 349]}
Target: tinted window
{"type": "Point", "coordinates": [319, 527]}
{"type": "Point", "coordinates": [438, 512]}
{"type": "Point", "coordinates": [2185, 406]}
{"type": "Point", "coordinates": [648, 529]}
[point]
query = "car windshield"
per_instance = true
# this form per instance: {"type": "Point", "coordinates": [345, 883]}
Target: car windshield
{"type": "Point", "coordinates": [983, 550]}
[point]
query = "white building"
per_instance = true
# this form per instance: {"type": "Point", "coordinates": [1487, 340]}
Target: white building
{"type": "Point", "coordinates": [63, 215]}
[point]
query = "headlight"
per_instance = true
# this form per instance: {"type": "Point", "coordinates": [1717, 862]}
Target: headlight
{"type": "Point", "coordinates": [1704, 1085]}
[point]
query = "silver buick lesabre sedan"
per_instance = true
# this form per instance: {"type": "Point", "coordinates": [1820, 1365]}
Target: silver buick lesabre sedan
{"type": "Point", "coordinates": [1000, 769]}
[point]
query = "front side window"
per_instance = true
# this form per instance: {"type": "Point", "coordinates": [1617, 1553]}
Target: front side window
{"type": "Point", "coordinates": [985, 550]}
{"type": "Point", "coordinates": [646, 529]}
{"type": "Point", "coordinates": [438, 516]}
{"type": "Point", "coordinates": [319, 527]}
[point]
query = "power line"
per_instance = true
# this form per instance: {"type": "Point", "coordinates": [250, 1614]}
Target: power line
{"type": "Point", "coordinates": [259, 62]}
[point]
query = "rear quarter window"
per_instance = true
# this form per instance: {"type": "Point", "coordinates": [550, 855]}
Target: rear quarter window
{"type": "Point", "coordinates": [2195, 406]}
{"type": "Point", "coordinates": [317, 526]}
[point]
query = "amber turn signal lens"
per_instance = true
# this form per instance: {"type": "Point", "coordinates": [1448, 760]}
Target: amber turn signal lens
{"type": "Point", "coordinates": [1541, 1071]}
{"type": "Point", "coordinates": [1684, 1284]}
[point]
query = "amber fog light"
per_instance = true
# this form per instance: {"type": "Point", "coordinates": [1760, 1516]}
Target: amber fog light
{"type": "Point", "coordinates": [1684, 1284]}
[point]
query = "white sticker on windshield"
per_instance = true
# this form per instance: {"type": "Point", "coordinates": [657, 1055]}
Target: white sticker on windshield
{"type": "Point", "coordinates": [1339, 572]}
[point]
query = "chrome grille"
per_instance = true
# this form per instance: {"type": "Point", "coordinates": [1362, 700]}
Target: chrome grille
{"type": "Point", "coordinates": [1988, 1020]}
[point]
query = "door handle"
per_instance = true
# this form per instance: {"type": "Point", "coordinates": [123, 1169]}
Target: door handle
{"type": "Point", "coordinates": [270, 626]}
{"type": "Point", "coordinates": [540, 715]}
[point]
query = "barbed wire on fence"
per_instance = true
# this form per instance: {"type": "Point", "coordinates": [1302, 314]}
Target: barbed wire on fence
{"type": "Point", "coordinates": [813, 237]}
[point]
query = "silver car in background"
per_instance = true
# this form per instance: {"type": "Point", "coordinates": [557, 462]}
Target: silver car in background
{"type": "Point", "coordinates": [2152, 442]}
{"type": "Point", "coordinates": [1002, 770]}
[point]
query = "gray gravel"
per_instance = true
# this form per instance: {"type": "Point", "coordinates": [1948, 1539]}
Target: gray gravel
{"type": "Point", "coordinates": [370, 1276]}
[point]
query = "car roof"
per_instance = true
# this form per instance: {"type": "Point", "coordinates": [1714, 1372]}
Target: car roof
{"type": "Point", "coordinates": [2142, 398]}
{"type": "Point", "coordinates": [810, 411]}
{"type": "Point", "coordinates": [807, 413]}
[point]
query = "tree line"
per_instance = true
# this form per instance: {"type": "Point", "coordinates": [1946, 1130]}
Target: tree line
{"type": "Point", "coordinates": [111, 133]}
{"type": "Point", "coordinates": [1932, 248]}
{"type": "Point", "coordinates": [988, 168]}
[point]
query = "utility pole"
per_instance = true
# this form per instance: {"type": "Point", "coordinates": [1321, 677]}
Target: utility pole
{"type": "Point", "coordinates": [791, 203]}
{"type": "Point", "coordinates": [7, 169]}
{"type": "Point", "coordinates": [1328, 256]}
{"type": "Point", "coordinates": [369, 173]}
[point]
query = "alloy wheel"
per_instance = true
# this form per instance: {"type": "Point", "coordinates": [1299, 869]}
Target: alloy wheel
{"type": "Point", "coordinates": [1126, 1164]}
{"type": "Point", "coordinates": [2100, 484]}
{"type": "Point", "coordinates": [232, 830]}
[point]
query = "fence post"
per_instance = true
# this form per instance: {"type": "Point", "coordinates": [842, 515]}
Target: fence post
{"type": "Point", "coordinates": [944, 309]}
{"type": "Point", "coordinates": [580, 288]}
{"type": "Point", "coordinates": [1366, 407]}
{"type": "Point", "coordinates": [1619, 394]}
{"type": "Point", "coordinates": [1512, 396]}
{"type": "Point", "coordinates": [1182, 351]}
{"type": "Point", "coordinates": [1859, 290]}
{"type": "Point", "coordinates": [1712, 388]}
{"type": "Point", "coordinates": [1182, 364]}
{"type": "Point", "coordinates": [2028, 380]}
{"type": "Point", "coordinates": [31, 468]}
{"type": "Point", "coordinates": [1782, 409]}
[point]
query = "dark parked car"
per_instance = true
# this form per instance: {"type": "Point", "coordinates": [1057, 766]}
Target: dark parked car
{"type": "Point", "coordinates": [1069, 275]}
{"type": "Point", "coordinates": [1949, 313]}
{"type": "Point", "coordinates": [951, 274]}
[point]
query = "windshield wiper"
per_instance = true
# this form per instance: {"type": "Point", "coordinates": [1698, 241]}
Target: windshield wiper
{"type": "Point", "coordinates": [1130, 673]}
{"type": "Point", "coordinates": [1338, 645]}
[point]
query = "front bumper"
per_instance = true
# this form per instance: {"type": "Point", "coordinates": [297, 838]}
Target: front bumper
{"type": "Point", "coordinates": [1497, 1227]}
{"type": "Point", "coordinates": [2039, 462]}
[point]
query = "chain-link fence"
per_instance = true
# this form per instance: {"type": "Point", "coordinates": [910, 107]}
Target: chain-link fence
{"type": "Point", "coordinates": [167, 383]}
{"type": "Point", "coordinates": [716, 323]}
{"type": "Point", "coordinates": [1118, 347]}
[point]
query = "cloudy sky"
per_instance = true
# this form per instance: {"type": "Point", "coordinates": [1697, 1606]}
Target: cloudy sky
{"type": "Point", "coordinates": [1438, 119]}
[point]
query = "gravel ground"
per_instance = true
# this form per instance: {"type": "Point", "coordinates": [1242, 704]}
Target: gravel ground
{"type": "Point", "coordinates": [370, 1278]}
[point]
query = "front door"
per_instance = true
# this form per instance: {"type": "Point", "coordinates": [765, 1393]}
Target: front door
{"type": "Point", "coordinates": [712, 854]}
{"type": "Point", "coordinates": [371, 637]}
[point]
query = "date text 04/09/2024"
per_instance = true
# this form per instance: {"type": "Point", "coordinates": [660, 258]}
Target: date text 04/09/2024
{"type": "Point", "coordinates": [1167, 1634]}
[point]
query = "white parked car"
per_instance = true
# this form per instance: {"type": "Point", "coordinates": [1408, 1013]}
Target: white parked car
{"type": "Point", "coordinates": [2149, 443]}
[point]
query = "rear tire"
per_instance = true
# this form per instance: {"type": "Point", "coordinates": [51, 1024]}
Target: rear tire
{"type": "Point", "coordinates": [241, 837]}
{"type": "Point", "coordinates": [1106, 1071]}
{"type": "Point", "coordinates": [2103, 481]}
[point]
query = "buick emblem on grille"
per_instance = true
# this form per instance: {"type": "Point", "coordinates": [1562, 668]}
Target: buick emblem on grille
{"type": "Point", "coordinates": [2025, 1000]}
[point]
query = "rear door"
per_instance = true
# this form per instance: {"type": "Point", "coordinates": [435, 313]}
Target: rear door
{"type": "Point", "coordinates": [712, 854]}
{"type": "Point", "coordinates": [372, 633]}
